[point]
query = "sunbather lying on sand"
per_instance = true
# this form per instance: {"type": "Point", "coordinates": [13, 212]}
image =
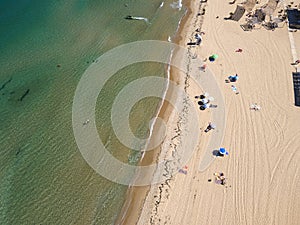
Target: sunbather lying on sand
{"type": "Point", "coordinates": [255, 107]}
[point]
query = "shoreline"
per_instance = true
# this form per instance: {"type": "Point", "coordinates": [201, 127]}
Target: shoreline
{"type": "Point", "coordinates": [136, 196]}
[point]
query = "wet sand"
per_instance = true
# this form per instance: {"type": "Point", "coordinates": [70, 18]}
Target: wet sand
{"type": "Point", "coordinates": [136, 195]}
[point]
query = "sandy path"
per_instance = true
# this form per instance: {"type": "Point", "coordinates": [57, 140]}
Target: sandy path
{"type": "Point", "coordinates": [263, 175]}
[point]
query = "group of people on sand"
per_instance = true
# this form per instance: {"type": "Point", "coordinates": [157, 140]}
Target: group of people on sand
{"type": "Point", "coordinates": [205, 101]}
{"type": "Point", "coordinates": [220, 178]}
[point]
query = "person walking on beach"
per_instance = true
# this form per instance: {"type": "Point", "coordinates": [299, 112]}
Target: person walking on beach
{"type": "Point", "coordinates": [86, 122]}
{"type": "Point", "coordinates": [203, 67]}
{"type": "Point", "coordinates": [210, 126]}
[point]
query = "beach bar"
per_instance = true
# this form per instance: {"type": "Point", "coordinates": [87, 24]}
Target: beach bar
{"type": "Point", "coordinates": [296, 81]}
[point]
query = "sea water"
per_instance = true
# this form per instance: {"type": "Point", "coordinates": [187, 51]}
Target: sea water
{"type": "Point", "coordinates": [45, 48]}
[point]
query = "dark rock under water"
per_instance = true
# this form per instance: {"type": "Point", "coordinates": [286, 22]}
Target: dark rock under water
{"type": "Point", "coordinates": [5, 83]}
{"type": "Point", "coordinates": [24, 95]}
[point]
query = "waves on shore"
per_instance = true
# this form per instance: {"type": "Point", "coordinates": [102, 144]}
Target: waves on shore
{"type": "Point", "coordinates": [177, 5]}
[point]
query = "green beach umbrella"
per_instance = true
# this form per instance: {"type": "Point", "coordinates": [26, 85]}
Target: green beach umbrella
{"type": "Point", "coordinates": [215, 56]}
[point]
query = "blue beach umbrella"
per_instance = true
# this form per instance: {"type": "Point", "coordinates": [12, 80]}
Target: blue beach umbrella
{"type": "Point", "coordinates": [223, 151]}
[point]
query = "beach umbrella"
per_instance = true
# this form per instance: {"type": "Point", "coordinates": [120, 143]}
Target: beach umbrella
{"type": "Point", "coordinates": [223, 151]}
{"type": "Point", "coordinates": [215, 56]}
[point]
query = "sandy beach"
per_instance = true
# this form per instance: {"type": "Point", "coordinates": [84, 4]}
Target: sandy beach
{"type": "Point", "coordinates": [262, 185]}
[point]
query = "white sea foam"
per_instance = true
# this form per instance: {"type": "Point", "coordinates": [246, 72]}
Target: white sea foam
{"type": "Point", "coordinates": [140, 18]}
{"type": "Point", "coordinates": [161, 104]}
{"type": "Point", "coordinates": [177, 5]}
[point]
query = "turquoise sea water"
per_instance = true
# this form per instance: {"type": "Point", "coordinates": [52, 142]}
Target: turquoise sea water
{"type": "Point", "coordinates": [43, 177]}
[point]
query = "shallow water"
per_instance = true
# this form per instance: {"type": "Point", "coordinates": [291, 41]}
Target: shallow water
{"type": "Point", "coordinates": [45, 48]}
